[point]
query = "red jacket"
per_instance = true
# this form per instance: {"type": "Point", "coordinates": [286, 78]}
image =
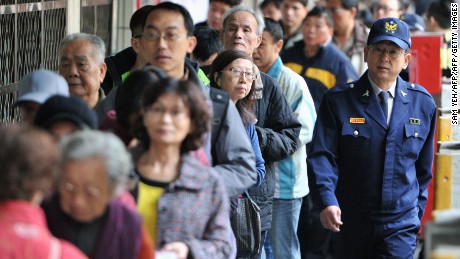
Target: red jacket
{"type": "Point", "coordinates": [24, 234]}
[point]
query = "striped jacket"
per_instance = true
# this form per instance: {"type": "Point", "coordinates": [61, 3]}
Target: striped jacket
{"type": "Point", "coordinates": [291, 173]}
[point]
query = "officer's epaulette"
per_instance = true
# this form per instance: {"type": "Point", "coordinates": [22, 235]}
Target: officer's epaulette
{"type": "Point", "coordinates": [343, 87]}
{"type": "Point", "coordinates": [417, 87]}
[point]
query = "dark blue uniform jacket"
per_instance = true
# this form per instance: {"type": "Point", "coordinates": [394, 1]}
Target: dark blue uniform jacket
{"type": "Point", "coordinates": [364, 166]}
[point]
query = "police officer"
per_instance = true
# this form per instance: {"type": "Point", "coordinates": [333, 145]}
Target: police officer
{"type": "Point", "coordinates": [371, 156]}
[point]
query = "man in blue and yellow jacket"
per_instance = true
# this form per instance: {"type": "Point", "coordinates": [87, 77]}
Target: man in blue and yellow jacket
{"type": "Point", "coordinates": [316, 58]}
{"type": "Point", "coordinates": [372, 156]}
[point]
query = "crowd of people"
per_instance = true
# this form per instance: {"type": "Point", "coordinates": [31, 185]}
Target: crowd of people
{"type": "Point", "coordinates": [307, 110]}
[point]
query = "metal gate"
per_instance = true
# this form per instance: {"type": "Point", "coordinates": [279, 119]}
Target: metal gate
{"type": "Point", "coordinates": [30, 32]}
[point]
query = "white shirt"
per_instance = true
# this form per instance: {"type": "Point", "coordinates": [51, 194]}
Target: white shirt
{"type": "Point", "coordinates": [392, 90]}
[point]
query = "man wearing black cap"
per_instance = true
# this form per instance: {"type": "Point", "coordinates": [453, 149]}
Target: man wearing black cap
{"type": "Point", "coordinates": [62, 115]}
{"type": "Point", "coordinates": [372, 152]}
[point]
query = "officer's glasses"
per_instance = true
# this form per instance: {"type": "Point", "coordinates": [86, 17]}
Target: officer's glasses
{"type": "Point", "coordinates": [236, 72]}
{"type": "Point", "coordinates": [392, 52]}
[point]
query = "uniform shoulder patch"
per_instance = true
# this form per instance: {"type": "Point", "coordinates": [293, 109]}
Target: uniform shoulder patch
{"type": "Point", "coordinates": [416, 87]}
{"type": "Point", "coordinates": [343, 87]}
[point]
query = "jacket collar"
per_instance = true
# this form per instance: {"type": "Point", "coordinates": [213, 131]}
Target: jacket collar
{"type": "Point", "coordinates": [276, 68]}
{"type": "Point", "coordinates": [190, 176]}
{"type": "Point", "coordinates": [369, 99]}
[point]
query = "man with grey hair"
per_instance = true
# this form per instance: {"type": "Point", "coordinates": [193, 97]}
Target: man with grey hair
{"type": "Point", "coordinates": [278, 130]}
{"type": "Point", "coordinates": [81, 63]}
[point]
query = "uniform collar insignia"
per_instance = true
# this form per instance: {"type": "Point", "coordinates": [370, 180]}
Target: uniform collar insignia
{"type": "Point", "coordinates": [403, 93]}
{"type": "Point", "coordinates": [366, 93]}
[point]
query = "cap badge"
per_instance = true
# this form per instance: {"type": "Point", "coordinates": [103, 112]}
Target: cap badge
{"type": "Point", "coordinates": [391, 26]}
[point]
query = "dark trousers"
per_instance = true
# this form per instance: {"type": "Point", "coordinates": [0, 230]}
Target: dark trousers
{"type": "Point", "coordinates": [360, 237]}
{"type": "Point", "coordinates": [315, 241]}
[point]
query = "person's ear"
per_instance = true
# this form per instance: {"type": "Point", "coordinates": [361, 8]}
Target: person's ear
{"type": "Point", "coordinates": [135, 44]}
{"type": "Point", "coordinates": [217, 78]}
{"type": "Point", "coordinates": [366, 52]}
{"type": "Point", "coordinates": [191, 44]}
{"type": "Point", "coordinates": [103, 70]}
{"type": "Point", "coordinates": [279, 46]}
{"type": "Point", "coordinates": [221, 36]}
{"type": "Point", "coordinates": [354, 11]}
{"type": "Point", "coordinates": [407, 58]}
{"type": "Point", "coordinates": [259, 40]}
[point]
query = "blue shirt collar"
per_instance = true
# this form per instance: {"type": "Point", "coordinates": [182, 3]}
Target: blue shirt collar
{"type": "Point", "coordinates": [275, 69]}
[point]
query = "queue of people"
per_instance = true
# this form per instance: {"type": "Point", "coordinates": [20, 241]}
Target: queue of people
{"type": "Point", "coordinates": [143, 154]}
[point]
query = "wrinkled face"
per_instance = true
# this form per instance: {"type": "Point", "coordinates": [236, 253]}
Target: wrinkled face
{"type": "Point", "coordinates": [343, 18]}
{"type": "Point", "coordinates": [237, 85]}
{"type": "Point", "coordinates": [316, 31]}
{"type": "Point", "coordinates": [82, 71]}
{"type": "Point", "coordinates": [387, 8]}
{"type": "Point", "coordinates": [293, 13]}
{"type": "Point", "coordinates": [383, 68]}
{"type": "Point", "coordinates": [167, 120]}
{"type": "Point", "coordinates": [270, 11]}
{"type": "Point", "coordinates": [216, 13]}
{"type": "Point", "coordinates": [166, 42]}
{"type": "Point", "coordinates": [267, 52]}
{"type": "Point", "coordinates": [241, 33]}
{"type": "Point", "coordinates": [84, 189]}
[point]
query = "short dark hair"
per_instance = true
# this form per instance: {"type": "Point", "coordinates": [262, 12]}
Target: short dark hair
{"type": "Point", "coordinates": [265, 3]}
{"type": "Point", "coordinates": [208, 43]}
{"type": "Point", "coordinates": [137, 19]}
{"type": "Point", "coordinates": [441, 11]}
{"type": "Point", "coordinates": [128, 96]}
{"type": "Point", "coordinates": [172, 7]}
{"type": "Point", "coordinates": [303, 2]}
{"type": "Point", "coordinates": [231, 3]}
{"type": "Point", "coordinates": [28, 162]}
{"type": "Point", "coordinates": [194, 99]}
{"type": "Point", "coordinates": [244, 106]}
{"type": "Point", "coordinates": [274, 28]}
{"type": "Point", "coordinates": [322, 12]}
{"type": "Point", "coordinates": [348, 4]}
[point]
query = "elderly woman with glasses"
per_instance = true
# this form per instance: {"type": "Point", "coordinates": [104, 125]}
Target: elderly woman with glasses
{"type": "Point", "coordinates": [94, 167]}
{"type": "Point", "coordinates": [233, 72]}
{"type": "Point", "coordinates": [183, 202]}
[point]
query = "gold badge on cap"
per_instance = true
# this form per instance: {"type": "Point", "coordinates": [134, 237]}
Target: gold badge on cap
{"type": "Point", "coordinates": [391, 26]}
{"type": "Point", "coordinates": [357, 120]}
{"type": "Point", "coordinates": [414, 121]}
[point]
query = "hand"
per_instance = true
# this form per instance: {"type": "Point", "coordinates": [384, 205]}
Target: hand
{"type": "Point", "coordinates": [330, 218]}
{"type": "Point", "coordinates": [180, 248]}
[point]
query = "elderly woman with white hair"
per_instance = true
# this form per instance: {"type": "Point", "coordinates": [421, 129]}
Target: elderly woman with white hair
{"type": "Point", "coordinates": [94, 170]}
